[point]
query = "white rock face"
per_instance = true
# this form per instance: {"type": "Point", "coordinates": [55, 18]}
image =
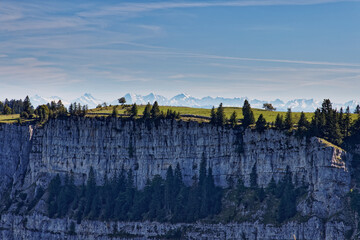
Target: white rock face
{"type": "Point", "coordinates": [29, 156]}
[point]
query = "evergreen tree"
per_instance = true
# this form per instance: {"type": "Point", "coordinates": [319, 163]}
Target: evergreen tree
{"type": "Point", "coordinates": [28, 108]}
{"type": "Point", "coordinates": [331, 129]}
{"type": "Point", "coordinates": [71, 109]}
{"type": "Point", "coordinates": [347, 122]}
{"type": "Point", "coordinates": [253, 177]}
{"type": "Point", "coordinates": [248, 114]}
{"type": "Point", "coordinates": [156, 204]}
{"type": "Point", "coordinates": [220, 116]}
{"type": "Point", "coordinates": [287, 206]}
{"type": "Point", "coordinates": [303, 125]}
{"type": "Point", "coordinates": [261, 123]}
{"type": "Point", "coordinates": [7, 110]}
{"type": "Point", "coordinates": [288, 120]}
{"type": "Point", "coordinates": [54, 190]}
{"type": "Point", "coordinates": [317, 123]}
{"type": "Point", "coordinates": [134, 111]}
{"type": "Point", "coordinates": [233, 119]}
{"type": "Point", "coordinates": [169, 189]}
{"type": "Point", "coordinates": [192, 208]}
{"type": "Point", "coordinates": [357, 109]}
{"type": "Point", "coordinates": [341, 119]}
{"type": "Point", "coordinates": [90, 190]}
{"type": "Point", "coordinates": [213, 116]}
{"type": "Point", "coordinates": [178, 181]}
{"type": "Point", "coordinates": [155, 110]}
{"type": "Point", "coordinates": [279, 122]}
{"type": "Point", "coordinates": [202, 171]}
{"type": "Point", "coordinates": [146, 113]}
{"type": "Point", "coordinates": [334, 132]}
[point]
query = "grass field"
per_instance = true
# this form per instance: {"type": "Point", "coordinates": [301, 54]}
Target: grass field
{"type": "Point", "coordinates": [9, 118]}
{"type": "Point", "coordinates": [269, 116]}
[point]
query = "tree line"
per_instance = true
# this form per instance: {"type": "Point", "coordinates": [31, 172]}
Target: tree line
{"type": "Point", "coordinates": [161, 199]}
{"type": "Point", "coordinates": [328, 123]}
{"type": "Point", "coordinates": [169, 199]}
{"type": "Point", "coordinates": [14, 106]}
{"type": "Point", "coordinates": [151, 112]}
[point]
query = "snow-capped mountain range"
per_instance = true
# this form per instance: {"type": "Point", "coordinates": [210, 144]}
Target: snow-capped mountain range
{"type": "Point", "coordinates": [296, 105]}
{"type": "Point", "coordinates": [86, 99]}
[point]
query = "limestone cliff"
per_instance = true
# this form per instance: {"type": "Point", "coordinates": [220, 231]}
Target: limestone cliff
{"type": "Point", "coordinates": [30, 156]}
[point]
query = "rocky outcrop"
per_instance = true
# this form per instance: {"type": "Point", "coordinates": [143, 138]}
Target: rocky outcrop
{"type": "Point", "coordinates": [31, 156]}
{"type": "Point", "coordinates": [15, 145]}
{"type": "Point", "coordinates": [36, 227]}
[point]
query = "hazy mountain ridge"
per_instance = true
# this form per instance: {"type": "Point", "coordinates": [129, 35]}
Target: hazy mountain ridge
{"type": "Point", "coordinates": [297, 105]}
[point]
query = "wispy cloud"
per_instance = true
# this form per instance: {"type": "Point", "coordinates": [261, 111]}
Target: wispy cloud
{"type": "Point", "coordinates": [209, 56]}
{"type": "Point", "coordinates": [131, 8]}
{"type": "Point", "coordinates": [276, 60]}
{"type": "Point", "coordinates": [26, 70]}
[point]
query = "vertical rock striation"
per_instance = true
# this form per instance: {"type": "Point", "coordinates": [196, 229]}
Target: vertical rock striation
{"type": "Point", "coordinates": [31, 155]}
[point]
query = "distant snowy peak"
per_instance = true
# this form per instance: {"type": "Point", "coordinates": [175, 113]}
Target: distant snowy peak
{"type": "Point", "coordinates": [139, 99]}
{"type": "Point", "coordinates": [38, 100]}
{"type": "Point", "coordinates": [88, 99]}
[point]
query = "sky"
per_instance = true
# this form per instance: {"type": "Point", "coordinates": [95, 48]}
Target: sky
{"type": "Point", "coordinates": [264, 49]}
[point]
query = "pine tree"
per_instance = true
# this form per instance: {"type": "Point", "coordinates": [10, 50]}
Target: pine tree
{"type": "Point", "coordinates": [233, 119]}
{"type": "Point", "coordinates": [157, 196]}
{"type": "Point", "coordinates": [279, 122]}
{"type": "Point", "coordinates": [202, 171]}
{"type": "Point", "coordinates": [178, 181]}
{"type": "Point", "coordinates": [341, 118]}
{"type": "Point", "coordinates": [288, 120]}
{"type": "Point", "coordinates": [213, 116]}
{"type": "Point", "coordinates": [261, 123]}
{"type": "Point", "coordinates": [347, 122]}
{"type": "Point", "coordinates": [90, 190]}
{"type": "Point", "coordinates": [147, 113]}
{"type": "Point", "coordinates": [155, 110]}
{"type": "Point", "coordinates": [357, 109]}
{"type": "Point", "coordinates": [303, 125]}
{"type": "Point", "coordinates": [28, 108]}
{"type": "Point", "coordinates": [202, 187]}
{"type": "Point", "coordinates": [220, 116]}
{"type": "Point", "coordinates": [316, 124]}
{"type": "Point", "coordinates": [7, 110]}
{"type": "Point", "coordinates": [169, 189]}
{"type": "Point", "coordinates": [71, 109]}
{"type": "Point", "coordinates": [213, 194]}
{"type": "Point", "coordinates": [248, 114]}
{"type": "Point", "coordinates": [134, 111]}
{"type": "Point", "coordinates": [287, 206]}
{"type": "Point", "coordinates": [54, 190]}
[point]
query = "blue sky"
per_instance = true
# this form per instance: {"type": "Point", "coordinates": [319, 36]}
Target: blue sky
{"type": "Point", "coordinates": [263, 49]}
